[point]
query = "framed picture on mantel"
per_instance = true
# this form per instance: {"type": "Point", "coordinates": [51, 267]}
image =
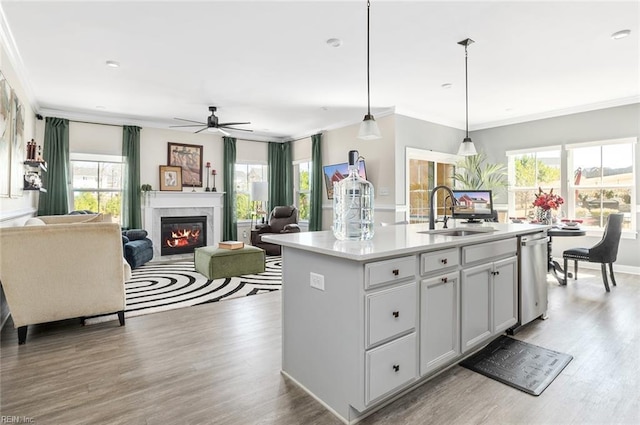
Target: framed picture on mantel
{"type": "Point", "coordinates": [189, 157]}
{"type": "Point", "coordinates": [170, 178]}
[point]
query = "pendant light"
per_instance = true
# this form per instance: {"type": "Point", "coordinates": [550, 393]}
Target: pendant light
{"type": "Point", "coordinates": [466, 147]}
{"type": "Point", "coordinates": [368, 128]}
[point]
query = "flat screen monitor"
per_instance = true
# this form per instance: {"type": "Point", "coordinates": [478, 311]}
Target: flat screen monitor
{"type": "Point", "coordinates": [473, 205]}
{"type": "Point", "coordinates": [337, 172]}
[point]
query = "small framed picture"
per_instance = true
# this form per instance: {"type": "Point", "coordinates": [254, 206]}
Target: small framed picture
{"type": "Point", "coordinates": [170, 177]}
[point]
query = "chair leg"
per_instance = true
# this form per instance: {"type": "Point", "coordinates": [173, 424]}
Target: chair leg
{"type": "Point", "coordinates": [566, 272]}
{"type": "Point", "coordinates": [575, 269]}
{"type": "Point", "coordinates": [121, 317]}
{"type": "Point", "coordinates": [603, 267]}
{"type": "Point", "coordinates": [613, 279]}
{"type": "Point", "coordinates": [22, 335]}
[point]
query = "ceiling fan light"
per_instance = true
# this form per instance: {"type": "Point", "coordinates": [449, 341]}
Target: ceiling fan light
{"type": "Point", "coordinates": [467, 148]}
{"type": "Point", "coordinates": [217, 130]}
{"type": "Point", "coordinates": [369, 129]}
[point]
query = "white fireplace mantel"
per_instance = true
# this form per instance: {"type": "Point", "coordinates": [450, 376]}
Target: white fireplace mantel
{"type": "Point", "coordinates": [156, 205]}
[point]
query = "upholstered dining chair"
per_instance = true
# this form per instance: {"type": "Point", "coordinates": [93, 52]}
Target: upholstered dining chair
{"type": "Point", "coordinates": [604, 252]}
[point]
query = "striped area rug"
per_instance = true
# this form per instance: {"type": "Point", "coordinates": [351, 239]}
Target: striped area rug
{"type": "Point", "coordinates": [156, 287]}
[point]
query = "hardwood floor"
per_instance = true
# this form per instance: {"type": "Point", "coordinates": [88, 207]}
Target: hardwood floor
{"type": "Point", "coordinates": [220, 364]}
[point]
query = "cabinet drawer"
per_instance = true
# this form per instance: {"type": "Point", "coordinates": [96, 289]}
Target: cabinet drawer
{"type": "Point", "coordinates": [439, 260]}
{"type": "Point", "coordinates": [382, 272]}
{"type": "Point", "coordinates": [489, 250]}
{"type": "Point", "coordinates": [390, 312]}
{"type": "Point", "coordinates": [390, 366]}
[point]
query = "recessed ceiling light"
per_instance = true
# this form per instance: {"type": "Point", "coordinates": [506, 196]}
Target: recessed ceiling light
{"type": "Point", "coordinates": [334, 42]}
{"type": "Point", "coordinates": [113, 64]}
{"type": "Point", "coordinates": [620, 34]}
{"type": "Point", "coordinates": [446, 85]}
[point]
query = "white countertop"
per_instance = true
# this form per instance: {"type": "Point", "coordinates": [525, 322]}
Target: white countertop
{"type": "Point", "coordinates": [398, 239]}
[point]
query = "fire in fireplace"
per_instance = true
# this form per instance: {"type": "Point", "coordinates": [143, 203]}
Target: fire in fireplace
{"type": "Point", "coordinates": [181, 235]}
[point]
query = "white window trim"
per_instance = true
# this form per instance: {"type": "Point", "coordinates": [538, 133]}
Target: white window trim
{"type": "Point", "coordinates": [296, 189]}
{"type": "Point", "coordinates": [623, 141]}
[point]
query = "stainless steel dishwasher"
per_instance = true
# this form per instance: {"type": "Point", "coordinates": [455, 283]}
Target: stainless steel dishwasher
{"type": "Point", "coordinates": [533, 263]}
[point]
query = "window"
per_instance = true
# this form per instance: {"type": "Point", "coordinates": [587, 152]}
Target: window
{"type": "Point", "coordinates": [97, 183]}
{"type": "Point", "coordinates": [244, 175]}
{"type": "Point", "coordinates": [602, 181]}
{"type": "Point", "coordinates": [302, 188]}
{"type": "Point", "coordinates": [528, 171]}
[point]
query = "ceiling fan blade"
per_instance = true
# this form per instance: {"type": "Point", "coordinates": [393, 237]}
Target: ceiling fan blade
{"type": "Point", "coordinates": [188, 125]}
{"type": "Point", "coordinates": [197, 122]}
{"type": "Point", "coordinates": [202, 129]}
{"type": "Point", "coordinates": [239, 129]}
{"type": "Point", "coordinates": [226, 124]}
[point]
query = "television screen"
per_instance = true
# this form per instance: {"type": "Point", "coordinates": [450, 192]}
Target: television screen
{"type": "Point", "coordinates": [473, 205]}
{"type": "Point", "coordinates": [337, 172]}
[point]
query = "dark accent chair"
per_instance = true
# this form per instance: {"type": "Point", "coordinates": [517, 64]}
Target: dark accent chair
{"type": "Point", "coordinates": [281, 220]}
{"type": "Point", "coordinates": [137, 248]}
{"type": "Point", "coordinates": [604, 252]}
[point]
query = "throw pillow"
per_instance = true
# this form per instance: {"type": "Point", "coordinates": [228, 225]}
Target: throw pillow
{"type": "Point", "coordinates": [34, 221]}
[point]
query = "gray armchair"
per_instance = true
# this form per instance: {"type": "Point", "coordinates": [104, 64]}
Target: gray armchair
{"type": "Point", "coordinates": [282, 219]}
{"type": "Point", "coordinates": [604, 252]}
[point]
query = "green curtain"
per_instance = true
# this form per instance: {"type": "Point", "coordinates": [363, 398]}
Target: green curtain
{"type": "Point", "coordinates": [280, 174]}
{"type": "Point", "coordinates": [315, 209]}
{"type": "Point", "coordinates": [56, 178]}
{"type": "Point", "coordinates": [131, 208]}
{"type": "Point", "coordinates": [229, 222]}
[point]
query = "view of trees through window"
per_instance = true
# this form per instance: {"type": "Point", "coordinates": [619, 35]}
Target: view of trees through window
{"type": "Point", "coordinates": [602, 183]}
{"type": "Point", "coordinates": [244, 175]}
{"type": "Point", "coordinates": [529, 172]}
{"type": "Point", "coordinates": [303, 189]}
{"type": "Point", "coordinates": [97, 187]}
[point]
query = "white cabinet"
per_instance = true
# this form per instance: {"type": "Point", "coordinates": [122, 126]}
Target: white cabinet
{"type": "Point", "coordinates": [475, 315]}
{"type": "Point", "coordinates": [390, 312]}
{"type": "Point", "coordinates": [489, 301]}
{"type": "Point", "coordinates": [390, 366]}
{"type": "Point", "coordinates": [391, 347]}
{"type": "Point", "coordinates": [505, 294]}
{"type": "Point", "coordinates": [439, 321]}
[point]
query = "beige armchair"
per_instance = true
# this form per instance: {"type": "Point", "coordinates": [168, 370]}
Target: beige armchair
{"type": "Point", "coordinates": [73, 268]}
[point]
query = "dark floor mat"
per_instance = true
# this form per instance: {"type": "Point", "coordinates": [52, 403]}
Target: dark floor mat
{"type": "Point", "coordinates": [524, 366]}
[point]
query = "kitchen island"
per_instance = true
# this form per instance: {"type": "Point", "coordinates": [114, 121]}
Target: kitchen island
{"type": "Point", "coordinates": [364, 322]}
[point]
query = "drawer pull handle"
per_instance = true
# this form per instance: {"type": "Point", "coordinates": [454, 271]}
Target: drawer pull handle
{"type": "Point", "coordinates": [396, 367]}
{"type": "Point", "coordinates": [495, 273]}
{"type": "Point", "coordinates": [395, 272]}
{"type": "Point", "coordinates": [445, 280]}
{"type": "Point", "coordinates": [443, 261]}
{"type": "Point", "coordinates": [396, 314]}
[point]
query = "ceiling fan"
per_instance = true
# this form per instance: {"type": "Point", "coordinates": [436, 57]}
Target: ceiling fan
{"type": "Point", "coordinates": [212, 122]}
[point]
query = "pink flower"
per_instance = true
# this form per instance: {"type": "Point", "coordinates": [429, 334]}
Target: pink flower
{"type": "Point", "coordinates": [547, 201]}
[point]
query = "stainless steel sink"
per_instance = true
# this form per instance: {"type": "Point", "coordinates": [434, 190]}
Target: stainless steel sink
{"type": "Point", "coordinates": [457, 232]}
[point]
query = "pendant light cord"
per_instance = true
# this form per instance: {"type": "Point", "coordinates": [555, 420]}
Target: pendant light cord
{"type": "Point", "coordinates": [368, 77]}
{"type": "Point", "coordinates": [466, 89]}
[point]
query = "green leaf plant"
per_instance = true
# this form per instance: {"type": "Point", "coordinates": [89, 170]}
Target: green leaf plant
{"type": "Point", "coordinates": [473, 173]}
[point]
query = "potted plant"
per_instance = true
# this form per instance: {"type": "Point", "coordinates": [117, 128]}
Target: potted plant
{"type": "Point", "coordinates": [474, 174]}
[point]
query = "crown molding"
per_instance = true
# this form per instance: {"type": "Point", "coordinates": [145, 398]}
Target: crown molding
{"type": "Point", "coordinates": [558, 113]}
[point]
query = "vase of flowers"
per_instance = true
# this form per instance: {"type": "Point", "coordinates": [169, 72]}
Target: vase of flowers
{"type": "Point", "coordinates": [545, 203]}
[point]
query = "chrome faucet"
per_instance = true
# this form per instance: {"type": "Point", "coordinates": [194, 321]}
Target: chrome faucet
{"type": "Point", "coordinates": [432, 220]}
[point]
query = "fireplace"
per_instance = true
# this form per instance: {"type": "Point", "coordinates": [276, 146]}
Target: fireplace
{"type": "Point", "coordinates": [181, 235]}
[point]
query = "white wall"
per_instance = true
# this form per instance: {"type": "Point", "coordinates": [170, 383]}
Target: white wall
{"type": "Point", "coordinates": [15, 210]}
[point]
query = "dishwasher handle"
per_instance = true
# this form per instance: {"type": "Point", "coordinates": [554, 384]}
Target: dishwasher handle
{"type": "Point", "coordinates": [532, 242]}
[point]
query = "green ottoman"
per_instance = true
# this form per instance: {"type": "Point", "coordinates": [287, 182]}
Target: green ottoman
{"type": "Point", "coordinates": [215, 263]}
